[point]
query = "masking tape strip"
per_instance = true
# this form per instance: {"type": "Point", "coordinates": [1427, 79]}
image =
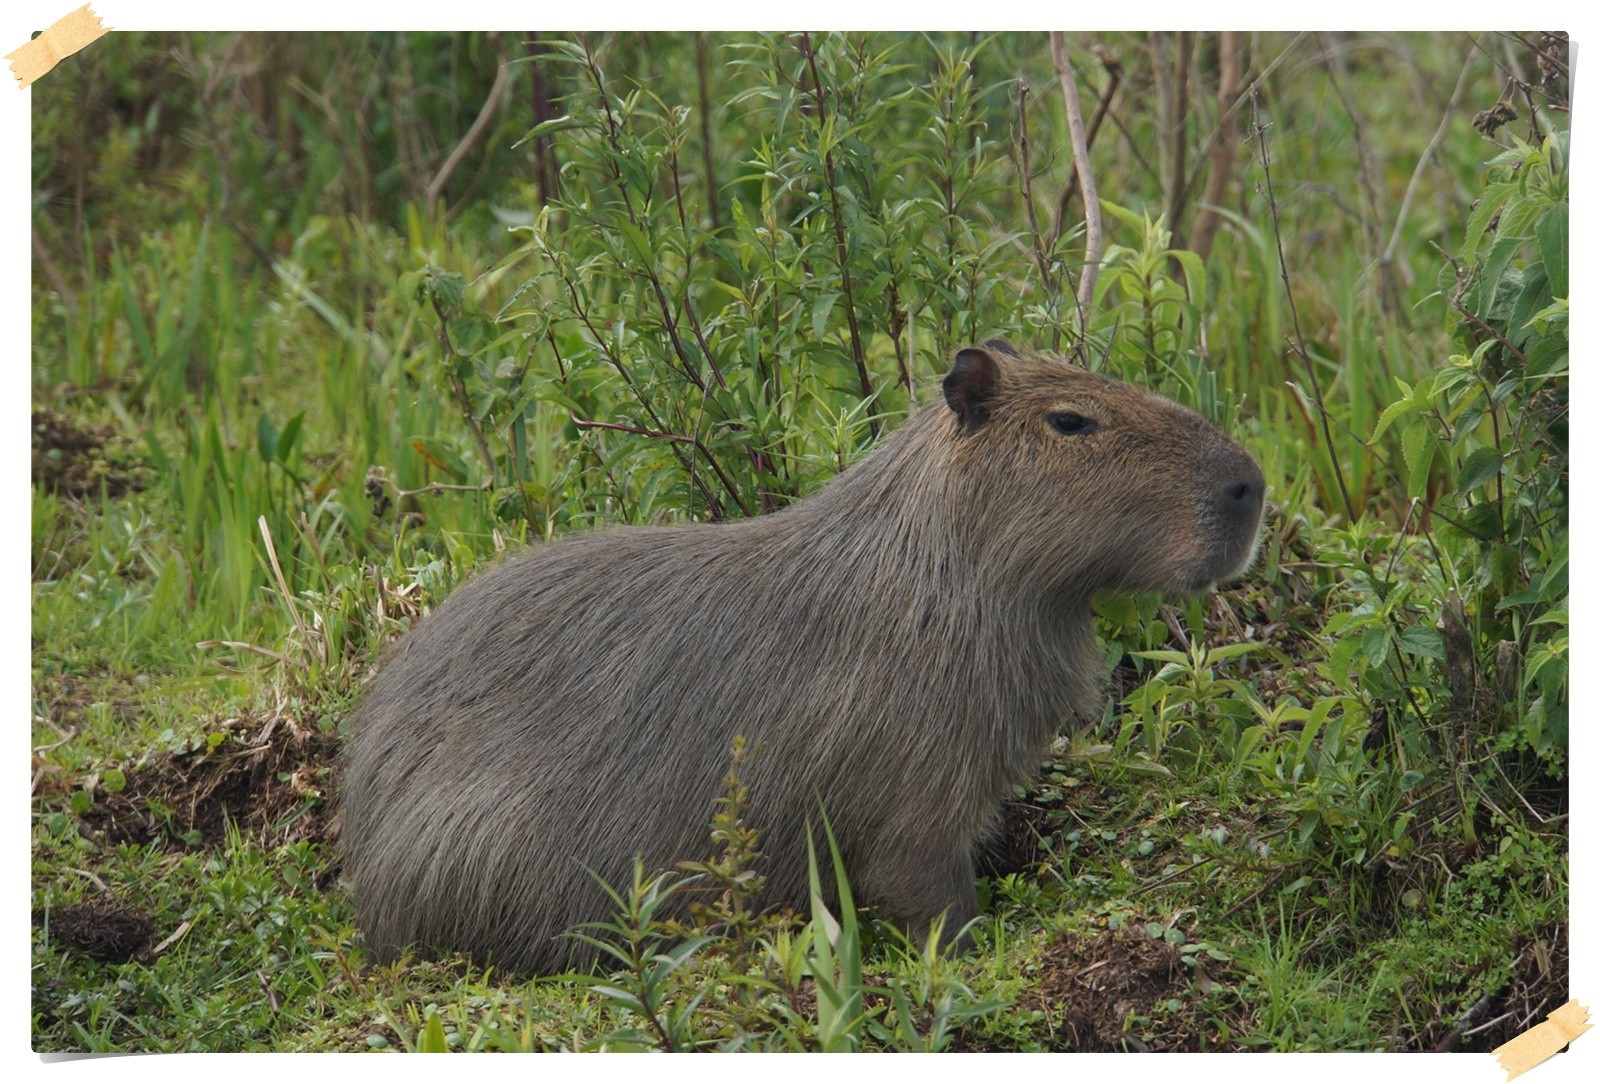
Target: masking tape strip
{"type": "Point", "coordinates": [1542, 1040]}
{"type": "Point", "coordinates": [65, 37]}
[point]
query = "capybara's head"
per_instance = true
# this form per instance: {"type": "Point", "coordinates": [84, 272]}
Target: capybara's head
{"type": "Point", "coordinates": [1101, 486]}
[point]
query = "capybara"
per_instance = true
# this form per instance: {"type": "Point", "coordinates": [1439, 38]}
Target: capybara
{"type": "Point", "coordinates": [897, 649]}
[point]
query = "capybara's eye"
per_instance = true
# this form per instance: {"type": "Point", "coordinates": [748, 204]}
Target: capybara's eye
{"type": "Point", "coordinates": [1073, 424]}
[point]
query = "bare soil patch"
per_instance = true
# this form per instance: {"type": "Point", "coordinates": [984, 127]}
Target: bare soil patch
{"type": "Point", "coordinates": [270, 780]}
{"type": "Point", "coordinates": [78, 459]}
{"type": "Point", "coordinates": [1115, 990]}
{"type": "Point", "coordinates": [107, 928]}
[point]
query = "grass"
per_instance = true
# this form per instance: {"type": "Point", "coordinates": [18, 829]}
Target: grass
{"type": "Point", "coordinates": [283, 402]}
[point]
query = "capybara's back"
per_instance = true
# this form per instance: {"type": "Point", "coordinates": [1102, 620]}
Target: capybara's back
{"type": "Point", "coordinates": [897, 650]}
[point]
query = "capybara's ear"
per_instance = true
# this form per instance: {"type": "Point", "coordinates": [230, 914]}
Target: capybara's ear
{"type": "Point", "coordinates": [969, 386]}
{"type": "Point", "coordinates": [1000, 346]}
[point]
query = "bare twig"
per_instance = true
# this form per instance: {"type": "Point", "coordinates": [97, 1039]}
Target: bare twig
{"type": "Point", "coordinates": [1080, 153]}
{"type": "Point", "coordinates": [71, 732]}
{"type": "Point", "coordinates": [1172, 112]}
{"type": "Point", "coordinates": [1238, 101]}
{"type": "Point", "coordinates": [1294, 312]}
{"type": "Point", "coordinates": [545, 171]}
{"type": "Point", "coordinates": [266, 984]}
{"type": "Point", "coordinates": [1368, 207]}
{"type": "Point", "coordinates": [91, 875]}
{"type": "Point", "coordinates": [502, 79]}
{"type": "Point", "coordinates": [1070, 189]}
{"type": "Point", "coordinates": [1220, 169]}
{"type": "Point", "coordinates": [53, 273]}
{"type": "Point", "coordinates": [1052, 288]}
{"type": "Point", "coordinates": [701, 63]}
{"type": "Point", "coordinates": [585, 423]}
{"type": "Point", "coordinates": [173, 938]}
{"type": "Point", "coordinates": [1393, 246]}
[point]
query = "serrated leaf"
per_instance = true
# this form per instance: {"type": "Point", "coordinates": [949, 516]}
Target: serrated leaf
{"type": "Point", "coordinates": [1418, 445]}
{"type": "Point", "coordinates": [1533, 296]}
{"type": "Point", "coordinates": [1493, 198]}
{"type": "Point", "coordinates": [1551, 234]}
{"type": "Point", "coordinates": [1480, 467]}
{"type": "Point", "coordinates": [1422, 640]}
{"type": "Point", "coordinates": [1391, 413]}
{"type": "Point", "coordinates": [1483, 297]}
{"type": "Point", "coordinates": [1375, 646]}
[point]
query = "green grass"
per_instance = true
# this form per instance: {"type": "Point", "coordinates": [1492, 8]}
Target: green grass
{"type": "Point", "coordinates": [288, 403]}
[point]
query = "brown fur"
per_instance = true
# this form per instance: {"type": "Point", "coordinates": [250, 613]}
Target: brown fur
{"type": "Point", "coordinates": [900, 647]}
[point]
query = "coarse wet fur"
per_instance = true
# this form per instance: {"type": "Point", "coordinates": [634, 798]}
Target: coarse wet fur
{"type": "Point", "coordinates": [899, 647]}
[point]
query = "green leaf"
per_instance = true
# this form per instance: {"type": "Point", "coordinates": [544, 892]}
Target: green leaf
{"type": "Point", "coordinates": [1533, 297]}
{"type": "Point", "coordinates": [115, 781]}
{"type": "Point", "coordinates": [1419, 445]}
{"type": "Point", "coordinates": [1422, 640]}
{"type": "Point", "coordinates": [432, 1038]}
{"type": "Point", "coordinates": [821, 310]}
{"type": "Point", "coordinates": [266, 439]}
{"type": "Point", "coordinates": [290, 434]}
{"type": "Point", "coordinates": [1392, 412]}
{"type": "Point", "coordinates": [441, 456]}
{"type": "Point", "coordinates": [1493, 198]}
{"type": "Point", "coordinates": [549, 127]}
{"type": "Point", "coordinates": [81, 802]}
{"type": "Point", "coordinates": [1231, 651]}
{"type": "Point", "coordinates": [1481, 466]}
{"type": "Point", "coordinates": [1488, 298]}
{"type": "Point", "coordinates": [1551, 234]}
{"type": "Point", "coordinates": [1375, 646]}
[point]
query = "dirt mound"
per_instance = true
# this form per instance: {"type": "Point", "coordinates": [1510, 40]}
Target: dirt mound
{"type": "Point", "coordinates": [1120, 990]}
{"type": "Point", "coordinates": [77, 459]}
{"type": "Point", "coordinates": [272, 784]}
{"type": "Point", "coordinates": [107, 929]}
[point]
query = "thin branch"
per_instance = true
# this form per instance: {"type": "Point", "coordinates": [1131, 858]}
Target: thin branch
{"type": "Point", "coordinates": [1427, 153]}
{"type": "Point", "coordinates": [584, 423]}
{"type": "Point", "coordinates": [1368, 207]}
{"type": "Point", "coordinates": [701, 64]}
{"type": "Point", "coordinates": [1239, 100]}
{"type": "Point", "coordinates": [1220, 170]}
{"type": "Point", "coordinates": [1080, 153]}
{"type": "Point", "coordinates": [459, 387]}
{"type": "Point", "coordinates": [502, 79]}
{"type": "Point", "coordinates": [53, 273]}
{"type": "Point", "coordinates": [1114, 79]}
{"type": "Point", "coordinates": [1024, 169]}
{"type": "Point", "coordinates": [1294, 312]}
{"type": "Point", "coordinates": [1172, 111]}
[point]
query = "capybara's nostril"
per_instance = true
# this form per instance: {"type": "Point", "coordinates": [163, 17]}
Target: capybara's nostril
{"type": "Point", "coordinates": [1241, 497]}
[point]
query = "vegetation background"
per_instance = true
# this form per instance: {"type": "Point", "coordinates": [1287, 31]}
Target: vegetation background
{"type": "Point", "coordinates": [322, 322]}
